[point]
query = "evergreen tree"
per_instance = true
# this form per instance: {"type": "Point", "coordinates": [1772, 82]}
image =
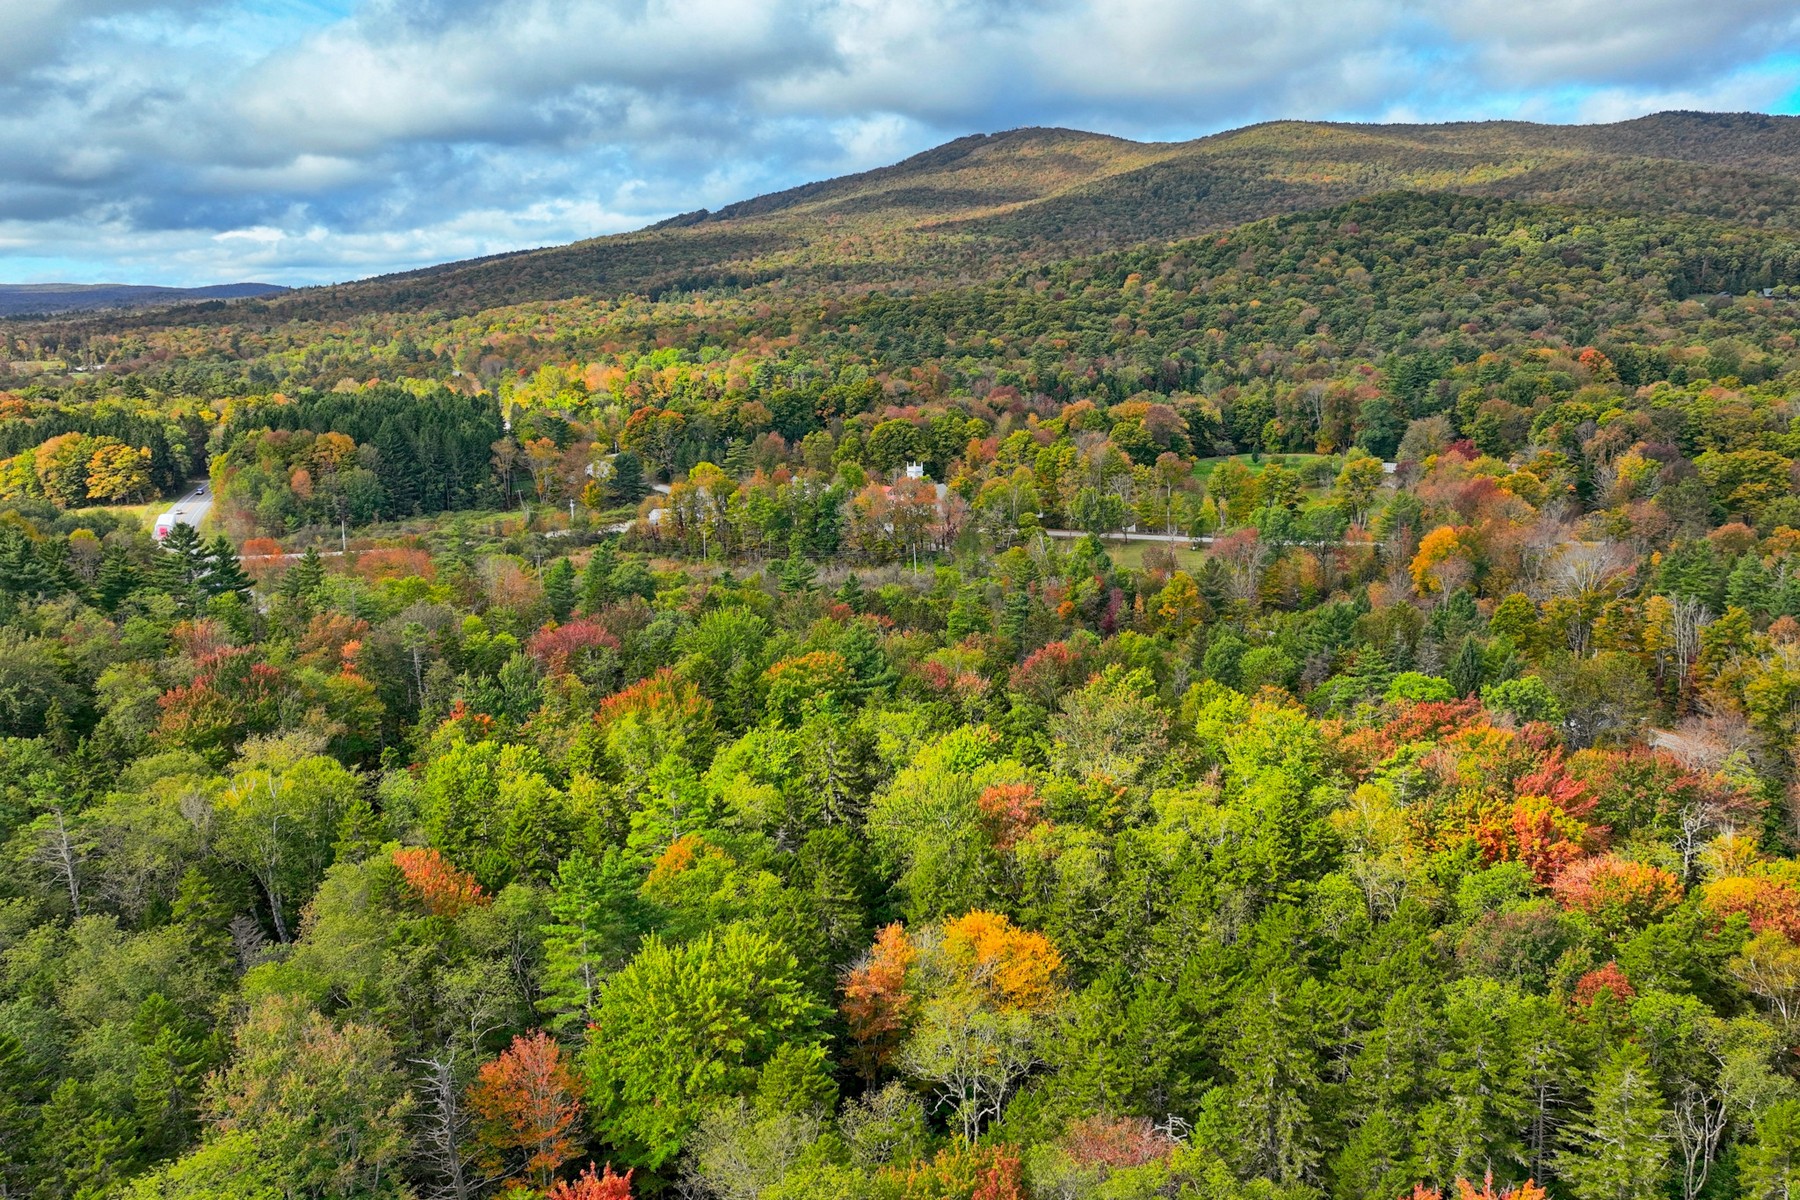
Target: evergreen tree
{"type": "Point", "coordinates": [797, 574]}
{"type": "Point", "coordinates": [1468, 668]}
{"type": "Point", "coordinates": [18, 1096]}
{"type": "Point", "coordinates": [85, 1152]}
{"type": "Point", "coordinates": [868, 663]}
{"type": "Point", "coordinates": [596, 578]}
{"type": "Point", "coordinates": [306, 577]}
{"type": "Point", "coordinates": [224, 573]}
{"type": "Point", "coordinates": [1619, 1150]}
{"type": "Point", "coordinates": [397, 469]}
{"type": "Point", "coordinates": [116, 578]}
{"type": "Point", "coordinates": [559, 588]}
{"type": "Point", "coordinates": [1769, 1167]}
{"type": "Point", "coordinates": [597, 918]}
{"type": "Point", "coordinates": [184, 567]}
{"type": "Point", "coordinates": [850, 593]}
{"type": "Point", "coordinates": [1015, 616]}
{"type": "Point", "coordinates": [1750, 586]}
{"type": "Point", "coordinates": [626, 486]}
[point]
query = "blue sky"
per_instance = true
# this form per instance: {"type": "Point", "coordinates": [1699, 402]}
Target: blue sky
{"type": "Point", "coordinates": [304, 141]}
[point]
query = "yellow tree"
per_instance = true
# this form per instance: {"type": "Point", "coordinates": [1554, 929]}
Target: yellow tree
{"type": "Point", "coordinates": [118, 472]}
{"type": "Point", "coordinates": [1443, 560]}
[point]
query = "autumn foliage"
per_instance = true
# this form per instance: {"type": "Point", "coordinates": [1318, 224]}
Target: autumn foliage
{"type": "Point", "coordinates": [1616, 893]}
{"type": "Point", "coordinates": [528, 1105]}
{"type": "Point", "coordinates": [589, 1186]}
{"type": "Point", "coordinates": [1116, 1142]}
{"type": "Point", "coordinates": [1609, 978]}
{"type": "Point", "coordinates": [876, 1005]}
{"type": "Point", "coordinates": [443, 888]}
{"type": "Point", "coordinates": [1770, 904]}
{"type": "Point", "coordinates": [1018, 968]}
{"type": "Point", "coordinates": [1010, 811]}
{"type": "Point", "coordinates": [1529, 1190]}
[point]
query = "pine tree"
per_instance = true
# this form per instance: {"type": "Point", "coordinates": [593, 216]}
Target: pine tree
{"type": "Point", "coordinates": [559, 589]}
{"type": "Point", "coordinates": [597, 919]}
{"type": "Point", "coordinates": [1619, 1151]}
{"type": "Point", "coordinates": [850, 593]}
{"type": "Point", "coordinates": [627, 483]}
{"type": "Point", "coordinates": [596, 579]}
{"type": "Point", "coordinates": [170, 1069]}
{"type": "Point", "coordinates": [868, 662]}
{"type": "Point", "coordinates": [183, 569]}
{"type": "Point", "coordinates": [306, 577]}
{"type": "Point", "coordinates": [1467, 671]}
{"type": "Point", "coordinates": [1015, 617]}
{"type": "Point", "coordinates": [1769, 1168]}
{"type": "Point", "coordinates": [797, 575]}
{"type": "Point", "coordinates": [224, 573]}
{"type": "Point", "coordinates": [84, 1151]}
{"type": "Point", "coordinates": [1749, 586]}
{"type": "Point", "coordinates": [115, 580]}
{"type": "Point", "coordinates": [18, 1096]}
{"type": "Point", "coordinates": [397, 468]}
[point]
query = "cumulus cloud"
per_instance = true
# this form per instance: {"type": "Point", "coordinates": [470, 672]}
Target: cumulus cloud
{"type": "Point", "coordinates": [302, 140]}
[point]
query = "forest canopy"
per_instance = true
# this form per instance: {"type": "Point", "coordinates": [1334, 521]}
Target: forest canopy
{"type": "Point", "coordinates": [1303, 711]}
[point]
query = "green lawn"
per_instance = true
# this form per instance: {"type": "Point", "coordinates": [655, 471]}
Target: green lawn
{"type": "Point", "coordinates": [1131, 554]}
{"type": "Point", "coordinates": [1203, 468]}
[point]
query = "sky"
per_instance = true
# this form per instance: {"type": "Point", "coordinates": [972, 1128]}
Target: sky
{"type": "Point", "coordinates": [308, 141]}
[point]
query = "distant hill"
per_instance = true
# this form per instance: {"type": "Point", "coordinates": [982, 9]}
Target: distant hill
{"type": "Point", "coordinates": [987, 206]}
{"type": "Point", "coordinates": [46, 299]}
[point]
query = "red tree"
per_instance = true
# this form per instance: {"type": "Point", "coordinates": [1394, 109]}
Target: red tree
{"type": "Point", "coordinates": [444, 890]}
{"type": "Point", "coordinates": [527, 1102]}
{"type": "Point", "coordinates": [876, 1006]}
{"type": "Point", "coordinates": [589, 1186]}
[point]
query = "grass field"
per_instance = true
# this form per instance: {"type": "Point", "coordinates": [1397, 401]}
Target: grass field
{"type": "Point", "coordinates": [1131, 554]}
{"type": "Point", "coordinates": [1204, 468]}
{"type": "Point", "coordinates": [145, 513]}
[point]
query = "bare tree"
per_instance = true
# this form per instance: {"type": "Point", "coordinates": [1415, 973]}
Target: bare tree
{"type": "Point", "coordinates": [443, 1127]}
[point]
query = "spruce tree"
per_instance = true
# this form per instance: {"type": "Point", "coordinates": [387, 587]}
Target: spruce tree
{"type": "Point", "coordinates": [397, 468]}
{"type": "Point", "coordinates": [850, 593]}
{"type": "Point", "coordinates": [1769, 1168]}
{"type": "Point", "coordinates": [183, 569]}
{"type": "Point", "coordinates": [1467, 670]}
{"type": "Point", "coordinates": [115, 580]}
{"type": "Point", "coordinates": [597, 917]}
{"type": "Point", "coordinates": [596, 579]}
{"type": "Point", "coordinates": [559, 589]}
{"type": "Point", "coordinates": [797, 574]}
{"type": "Point", "coordinates": [1620, 1149]}
{"type": "Point", "coordinates": [306, 577]}
{"type": "Point", "coordinates": [18, 1098]}
{"type": "Point", "coordinates": [224, 573]}
{"type": "Point", "coordinates": [626, 486]}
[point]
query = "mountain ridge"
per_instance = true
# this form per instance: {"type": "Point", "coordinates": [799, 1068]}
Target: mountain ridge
{"type": "Point", "coordinates": [33, 299]}
{"type": "Point", "coordinates": [982, 205]}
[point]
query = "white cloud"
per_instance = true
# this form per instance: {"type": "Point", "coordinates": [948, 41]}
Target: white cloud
{"type": "Point", "coordinates": [1645, 42]}
{"type": "Point", "coordinates": [309, 139]}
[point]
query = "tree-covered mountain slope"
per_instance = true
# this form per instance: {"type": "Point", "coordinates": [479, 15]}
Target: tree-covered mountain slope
{"type": "Point", "coordinates": [972, 207]}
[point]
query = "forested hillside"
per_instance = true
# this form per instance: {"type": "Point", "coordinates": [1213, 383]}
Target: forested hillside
{"type": "Point", "coordinates": [1298, 707]}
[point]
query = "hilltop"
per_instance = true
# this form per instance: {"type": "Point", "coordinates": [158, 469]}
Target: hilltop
{"type": "Point", "coordinates": [981, 206]}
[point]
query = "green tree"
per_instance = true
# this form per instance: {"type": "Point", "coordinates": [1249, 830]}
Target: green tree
{"type": "Point", "coordinates": [1769, 1168]}
{"type": "Point", "coordinates": [1619, 1149]}
{"type": "Point", "coordinates": [559, 588]}
{"type": "Point", "coordinates": [684, 1027]}
{"type": "Point", "coordinates": [326, 1107]}
{"type": "Point", "coordinates": [597, 920]}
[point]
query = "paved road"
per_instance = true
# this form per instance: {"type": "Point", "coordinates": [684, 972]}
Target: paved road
{"type": "Point", "coordinates": [191, 509]}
